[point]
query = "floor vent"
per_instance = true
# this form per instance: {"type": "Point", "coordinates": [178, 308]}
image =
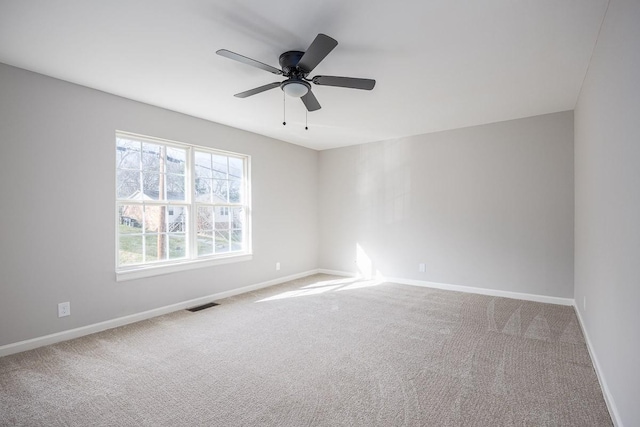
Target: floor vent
{"type": "Point", "coordinates": [202, 307]}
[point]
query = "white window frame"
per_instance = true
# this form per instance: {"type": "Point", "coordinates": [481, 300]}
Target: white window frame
{"type": "Point", "coordinates": [192, 259]}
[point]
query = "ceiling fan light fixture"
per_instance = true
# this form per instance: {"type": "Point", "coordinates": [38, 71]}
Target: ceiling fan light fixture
{"type": "Point", "coordinates": [295, 88]}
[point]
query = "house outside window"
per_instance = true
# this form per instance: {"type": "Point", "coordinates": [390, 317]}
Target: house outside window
{"type": "Point", "coordinates": [179, 203]}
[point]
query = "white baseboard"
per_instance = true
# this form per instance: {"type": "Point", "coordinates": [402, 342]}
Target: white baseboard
{"type": "Point", "coordinates": [608, 398]}
{"type": "Point", "coordinates": [30, 344]}
{"type": "Point", "coordinates": [460, 288]}
{"type": "Point", "coordinates": [337, 273]}
{"type": "Point", "coordinates": [483, 291]}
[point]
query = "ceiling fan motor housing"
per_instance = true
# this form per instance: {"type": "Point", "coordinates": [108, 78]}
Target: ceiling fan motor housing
{"type": "Point", "coordinates": [289, 63]}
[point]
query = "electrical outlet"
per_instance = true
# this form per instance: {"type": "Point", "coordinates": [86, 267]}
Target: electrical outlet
{"type": "Point", "coordinates": [64, 309]}
{"type": "Point", "coordinates": [277, 266]}
{"type": "Point", "coordinates": [422, 268]}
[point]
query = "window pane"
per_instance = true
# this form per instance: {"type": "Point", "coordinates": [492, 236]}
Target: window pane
{"type": "Point", "coordinates": [128, 184]}
{"type": "Point", "coordinates": [235, 191]}
{"type": "Point", "coordinates": [220, 191]}
{"type": "Point", "coordinates": [222, 218]}
{"type": "Point", "coordinates": [127, 154]}
{"type": "Point", "coordinates": [236, 240]}
{"type": "Point", "coordinates": [237, 218]}
{"type": "Point", "coordinates": [151, 157]}
{"type": "Point", "coordinates": [155, 247]}
{"type": "Point", "coordinates": [203, 165]}
{"type": "Point", "coordinates": [176, 219]}
{"type": "Point", "coordinates": [220, 164]}
{"type": "Point", "coordinates": [151, 185]}
{"type": "Point", "coordinates": [203, 190]}
{"type": "Point", "coordinates": [222, 241]}
{"type": "Point", "coordinates": [205, 219]}
{"type": "Point", "coordinates": [130, 250]}
{"type": "Point", "coordinates": [130, 219]}
{"type": "Point", "coordinates": [235, 167]}
{"type": "Point", "coordinates": [205, 245]}
{"type": "Point", "coordinates": [176, 160]}
{"type": "Point", "coordinates": [177, 246]}
{"type": "Point", "coordinates": [175, 187]}
{"type": "Point", "coordinates": [155, 218]}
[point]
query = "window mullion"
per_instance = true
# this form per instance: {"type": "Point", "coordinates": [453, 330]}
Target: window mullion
{"type": "Point", "coordinates": [144, 236]}
{"type": "Point", "coordinates": [193, 206]}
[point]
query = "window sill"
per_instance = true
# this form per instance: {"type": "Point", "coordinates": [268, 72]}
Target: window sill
{"type": "Point", "coordinates": [157, 270]}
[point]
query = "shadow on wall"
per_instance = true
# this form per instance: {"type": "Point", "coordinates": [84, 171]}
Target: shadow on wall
{"type": "Point", "coordinates": [383, 184]}
{"type": "Point", "coordinates": [383, 203]}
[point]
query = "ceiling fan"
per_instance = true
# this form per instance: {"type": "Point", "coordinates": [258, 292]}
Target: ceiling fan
{"type": "Point", "coordinates": [296, 66]}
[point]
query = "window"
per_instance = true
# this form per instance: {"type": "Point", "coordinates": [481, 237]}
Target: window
{"type": "Point", "coordinates": [178, 204]}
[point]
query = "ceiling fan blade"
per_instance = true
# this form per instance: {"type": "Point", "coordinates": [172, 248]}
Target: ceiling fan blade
{"type": "Point", "coordinates": [257, 90]}
{"type": "Point", "coordinates": [237, 57]}
{"type": "Point", "coordinates": [310, 101]}
{"type": "Point", "coordinates": [318, 50]}
{"type": "Point", "coordinates": [350, 82]}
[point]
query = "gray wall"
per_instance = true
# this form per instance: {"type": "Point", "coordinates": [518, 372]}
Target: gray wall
{"type": "Point", "coordinates": [57, 158]}
{"type": "Point", "coordinates": [487, 206]}
{"type": "Point", "coordinates": [607, 191]}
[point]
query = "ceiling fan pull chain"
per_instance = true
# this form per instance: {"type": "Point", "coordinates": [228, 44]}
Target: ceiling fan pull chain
{"type": "Point", "coordinates": [284, 109]}
{"type": "Point", "coordinates": [306, 119]}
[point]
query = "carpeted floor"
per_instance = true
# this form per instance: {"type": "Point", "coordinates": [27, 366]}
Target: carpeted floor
{"type": "Point", "coordinates": [319, 351]}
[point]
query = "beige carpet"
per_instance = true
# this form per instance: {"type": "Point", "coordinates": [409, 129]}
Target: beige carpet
{"type": "Point", "coordinates": [318, 351]}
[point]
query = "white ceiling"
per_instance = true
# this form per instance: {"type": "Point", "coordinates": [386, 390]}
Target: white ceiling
{"type": "Point", "coordinates": [439, 64]}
